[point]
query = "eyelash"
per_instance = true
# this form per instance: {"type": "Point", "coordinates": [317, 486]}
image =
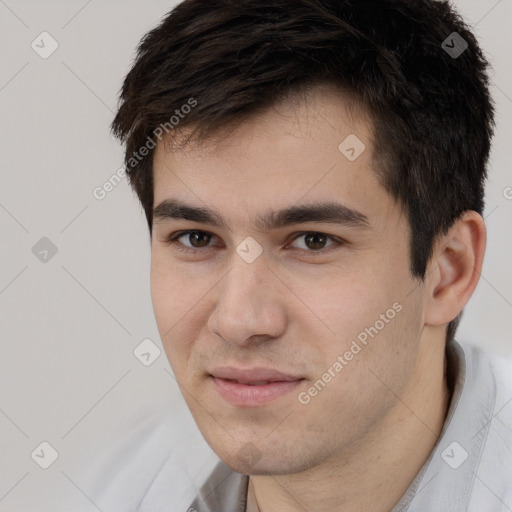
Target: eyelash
{"type": "Point", "coordinates": [172, 239]}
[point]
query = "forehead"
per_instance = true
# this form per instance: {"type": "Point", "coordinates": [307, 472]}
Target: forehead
{"type": "Point", "coordinates": [311, 112]}
{"type": "Point", "coordinates": [314, 148]}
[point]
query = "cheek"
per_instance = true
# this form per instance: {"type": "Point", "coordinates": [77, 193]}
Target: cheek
{"type": "Point", "coordinates": [181, 301]}
{"type": "Point", "coordinates": [372, 317]}
{"type": "Point", "coordinates": [350, 301]}
{"type": "Point", "coordinates": [367, 364]}
{"type": "Point", "coordinates": [173, 292]}
{"type": "Point", "coordinates": [171, 301]}
{"type": "Point", "coordinates": [162, 296]}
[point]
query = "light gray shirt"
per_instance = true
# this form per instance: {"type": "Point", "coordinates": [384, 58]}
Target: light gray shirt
{"type": "Point", "coordinates": [470, 467]}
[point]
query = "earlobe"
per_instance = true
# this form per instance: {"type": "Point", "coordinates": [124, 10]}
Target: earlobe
{"type": "Point", "coordinates": [455, 268]}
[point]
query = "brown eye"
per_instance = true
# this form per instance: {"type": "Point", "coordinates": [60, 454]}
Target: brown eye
{"type": "Point", "coordinates": [198, 238]}
{"type": "Point", "coordinates": [192, 240]}
{"type": "Point", "coordinates": [313, 241]}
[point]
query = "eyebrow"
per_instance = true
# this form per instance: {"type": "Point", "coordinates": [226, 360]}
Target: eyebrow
{"type": "Point", "coordinates": [325, 212]}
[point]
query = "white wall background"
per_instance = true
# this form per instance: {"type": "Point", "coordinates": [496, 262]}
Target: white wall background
{"type": "Point", "coordinates": [68, 326]}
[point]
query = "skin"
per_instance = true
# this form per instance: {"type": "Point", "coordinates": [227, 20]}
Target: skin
{"type": "Point", "coordinates": [363, 438]}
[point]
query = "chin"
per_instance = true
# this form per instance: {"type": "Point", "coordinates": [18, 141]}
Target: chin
{"type": "Point", "coordinates": [250, 461]}
{"type": "Point", "coordinates": [259, 468]}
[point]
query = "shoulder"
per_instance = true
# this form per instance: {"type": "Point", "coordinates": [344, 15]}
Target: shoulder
{"type": "Point", "coordinates": [470, 468]}
{"type": "Point", "coordinates": [149, 463]}
{"type": "Point", "coordinates": [125, 460]}
{"type": "Point", "coordinates": [493, 477]}
{"type": "Point", "coordinates": [492, 370]}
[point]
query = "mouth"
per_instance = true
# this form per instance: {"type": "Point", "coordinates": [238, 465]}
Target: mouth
{"type": "Point", "coordinates": [252, 387]}
{"type": "Point", "coordinates": [259, 383]}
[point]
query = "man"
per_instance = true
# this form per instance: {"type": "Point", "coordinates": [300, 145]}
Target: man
{"type": "Point", "coordinates": [312, 173]}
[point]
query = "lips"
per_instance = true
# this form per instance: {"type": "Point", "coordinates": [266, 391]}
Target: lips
{"type": "Point", "coordinates": [252, 386]}
{"type": "Point", "coordinates": [248, 383]}
{"type": "Point", "coordinates": [252, 376]}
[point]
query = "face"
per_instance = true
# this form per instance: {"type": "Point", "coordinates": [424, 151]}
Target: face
{"type": "Point", "coordinates": [282, 320]}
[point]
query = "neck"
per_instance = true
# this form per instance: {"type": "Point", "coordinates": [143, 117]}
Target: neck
{"type": "Point", "coordinates": [376, 474]}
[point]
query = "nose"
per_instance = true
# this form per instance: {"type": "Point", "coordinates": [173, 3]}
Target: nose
{"type": "Point", "coordinates": [249, 306]}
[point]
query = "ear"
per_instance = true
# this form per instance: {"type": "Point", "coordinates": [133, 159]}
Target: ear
{"type": "Point", "coordinates": [454, 268]}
